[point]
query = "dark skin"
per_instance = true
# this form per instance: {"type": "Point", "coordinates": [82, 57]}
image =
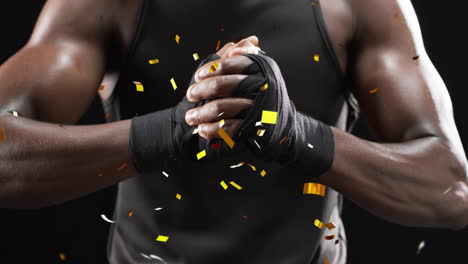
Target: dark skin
{"type": "Point", "coordinates": [416, 175]}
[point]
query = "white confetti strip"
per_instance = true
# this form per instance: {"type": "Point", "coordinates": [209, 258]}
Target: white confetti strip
{"type": "Point", "coordinates": [165, 174]}
{"type": "Point", "coordinates": [107, 219]}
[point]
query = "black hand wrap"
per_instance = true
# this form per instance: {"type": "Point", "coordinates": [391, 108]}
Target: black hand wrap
{"type": "Point", "coordinates": [163, 135]}
{"type": "Point", "coordinates": [309, 143]}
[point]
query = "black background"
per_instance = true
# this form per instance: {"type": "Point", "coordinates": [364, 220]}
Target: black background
{"type": "Point", "coordinates": [76, 229]}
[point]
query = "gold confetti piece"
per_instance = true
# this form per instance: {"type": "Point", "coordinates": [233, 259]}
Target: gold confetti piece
{"type": "Point", "coordinates": [101, 87]}
{"type": "Point", "coordinates": [139, 87]}
{"type": "Point", "coordinates": [155, 61]}
{"type": "Point", "coordinates": [330, 225]}
{"type": "Point", "coordinates": [162, 238]}
{"type": "Point", "coordinates": [62, 257]}
{"type": "Point", "coordinates": [106, 116]}
{"type": "Point", "coordinates": [218, 45]}
{"type": "Point", "coordinates": [174, 85]}
{"type": "Point", "coordinates": [316, 57]}
{"type": "Point", "coordinates": [195, 131]}
{"type": "Point", "coordinates": [177, 39]}
{"type": "Point", "coordinates": [330, 237]}
{"type": "Point", "coordinates": [318, 223]}
{"type": "Point", "coordinates": [130, 214]}
{"type": "Point", "coordinates": [326, 261]}
{"type": "Point", "coordinates": [263, 173]}
{"type": "Point", "coordinates": [165, 174]}
{"type": "Point", "coordinates": [100, 175]}
{"type": "Point", "coordinates": [283, 140]}
{"type": "Point", "coordinates": [252, 166]}
{"type": "Point", "coordinates": [310, 145]}
{"type": "Point", "coordinates": [196, 56]}
{"type": "Point", "coordinates": [122, 167]}
{"type": "Point", "coordinates": [213, 67]}
{"type": "Point", "coordinates": [269, 117]}
{"type": "Point", "coordinates": [260, 132]}
{"type": "Point", "coordinates": [107, 219]}
{"type": "Point", "coordinates": [237, 165]}
{"type": "Point", "coordinates": [373, 91]}
{"type": "Point", "coordinates": [224, 185]}
{"type": "Point", "coordinates": [221, 123]}
{"type": "Point", "coordinates": [314, 188]}
{"type": "Point", "coordinates": [236, 185]}
{"type": "Point", "coordinates": [226, 137]}
{"type": "Point", "coordinates": [201, 154]}
{"type": "Point", "coordinates": [264, 87]}
{"type": "Point", "coordinates": [178, 196]}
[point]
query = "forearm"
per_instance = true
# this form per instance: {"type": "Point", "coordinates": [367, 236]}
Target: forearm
{"type": "Point", "coordinates": [415, 183]}
{"type": "Point", "coordinates": [43, 164]}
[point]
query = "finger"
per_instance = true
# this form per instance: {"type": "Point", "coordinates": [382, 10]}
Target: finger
{"type": "Point", "coordinates": [224, 51]}
{"type": "Point", "coordinates": [210, 130]}
{"type": "Point", "coordinates": [214, 87]}
{"type": "Point", "coordinates": [216, 110]}
{"type": "Point", "coordinates": [248, 45]}
{"type": "Point", "coordinates": [231, 65]}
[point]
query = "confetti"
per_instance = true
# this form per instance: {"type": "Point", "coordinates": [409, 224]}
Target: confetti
{"type": "Point", "coordinates": [326, 261]}
{"type": "Point", "coordinates": [101, 87]}
{"type": "Point", "coordinates": [145, 256]}
{"type": "Point", "coordinates": [310, 145]}
{"type": "Point", "coordinates": [62, 257]}
{"type": "Point", "coordinates": [263, 173]}
{"type": "Point", "coordinates": [330, 237]}
{"type": "Point", "coordinates": [236, 185]}
{"type": "Point", "coordinates": [221, 123]}
{"type": "Point", "coordinates": [174, 85]}
{"type": "Point", "coordinates": [178, 196]}
{"type": "Point", "coordinates": [252, 167]}
{"type": "Point", "coordinates": [158, 209]}
{"type": "Point", "coordinates": [165, 174]}
{"type": "Point", "coordinates": [196, 56]}
{"type": "Point", "coordinates": [218, 45]}
{"type": "Point", "coordinates": [100, 175]}
{"type": "Point", "coordinates": [224, 185]}
{"type": "Point", "coordinates": [14, 113]}
{"type": "Point", "coordinates": [158, 258]}
{"type": "Point", "coordinates": [106, 116]}
{"type": "Point", "coordinates": [130, 214]}
{"type": "Point", "coordinates": [221, 114]}
{"type": "Point", "coordinates": [244, 217]}
{"type": "Point", "coordinates": [155, 61]}
{"type": "Point", "coordinates": [177, 39]}
{"type": "Point", "coordinates": [256, 143]}
{"type": "Point", "coordinates": [139, 87]}
{"type": "Point", "coordinates": [195, 131]}
{"type": "Point", "coordinates": [330, 225]}
{"type": "Point", "coordinates": [107, 219]}
{"type": "Point", "coordinates": [226, 137]}
{"type": "Point", "coordinates": [314, 188]}
{"type": "Point", "coordinates": [269, 117]}
{"type": "Point", "coordinates": [201, 154]}
{"type": "Point", "coordinates": [259, 123]}
{"type": "Point", "coordinates": [2, 137]}
{"type": "Point", "coordinates": [215, 146]}
{"type": "Point", "coordinates": [421, 245]}
{"type": "Point", "coordinates": [261, 132]}
{"type": "Point", "coordinates": [213, 67]}
{"type": "Point", "coordinates": [373, 91]}
{"type": "Point", "coordinates": [264, 87]}
{"type": "Point", "coordinates": [122, 167]}
{"type": "Point", "coordinates": [318, 223]}
{"type": "Point", "coordinates": [283, 140]}
{"type": "Point", "coordinates": [237, 165]}
{"type": "Point", "coordinates": [162, 238]}
{"type": "Point", "coordinates": [316, 57]}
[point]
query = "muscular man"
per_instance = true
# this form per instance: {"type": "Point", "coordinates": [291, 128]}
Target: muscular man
{"type": "Point", "coordinates": [326, 52]}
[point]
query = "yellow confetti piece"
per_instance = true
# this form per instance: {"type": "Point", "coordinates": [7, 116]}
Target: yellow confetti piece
{"type": "Point", "coordinates": [236, 185]}
{"type": "Point", "coordinates": [263, 173]}
{"type": "Point", "coordinates": [177, 39]}
{"type": "Point", "coordinates": [62, 257]}
{"type": "Point", "coordinates": [213, 67]}
{"type": "Point", "coordinates": [101, 87]}
{"type": "Point", "coordinates": [196, 56]}
{"type": "Point", "coordinates": [139, 87]}
{"type": "Point", "coordinates": [252, 167]}
{"type": "Point", "coordinates": [283, 140]}
{"type": "Point", "coordinates": [330, 225]}
{"type": "Point", "coordinates": [316, 57]}
{"type": "Point", "coordinates": [269, 117]}
{"type": "Point", "coordinates": [261, 132]}
{"type": "Point", "coordinates": [201, 154]}
{"type": "Point", "coordinates": [221, 123]}
{"type": "Point", "coordinates": [174, 85]}
{"type": "Point", "coordinates": [318, 223]}
{"type": "Point", "coordinates": [224, 185]}
{"type": "Point", "coordinates": [218, 45]}
{"type": "Point", "coordinates": [314, 188]}
{"type": "Point", "coordinates": [162, 238]}
{"type": "Point", "coordinates": [226, 137]}
{"type": "Point", "coordinates": [310, 145]}
{"type": "Point", "coordinates": [100, 175]}
{"type": "Point", "coordinates": [106, 116]}
{"type": "Point", "coordinates": [264, 87]}
{"type": "Point", "coordinates": [178, 196]}
{"type": "Point", "coordinates": [130, 214]}
{"type": "Point", "coordinates": [155, 61]}
{"type": "Point", "coordinates": [373, 91]}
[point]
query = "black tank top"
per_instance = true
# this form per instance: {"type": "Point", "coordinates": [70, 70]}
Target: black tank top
{"type": "Point", "coordinates": [269, 220]}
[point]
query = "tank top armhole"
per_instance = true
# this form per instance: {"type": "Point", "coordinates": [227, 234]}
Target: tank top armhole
{"type": "Point", "coordinates": [353, 112]}
{"type": "Point", "coordinates": [133, 45]}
